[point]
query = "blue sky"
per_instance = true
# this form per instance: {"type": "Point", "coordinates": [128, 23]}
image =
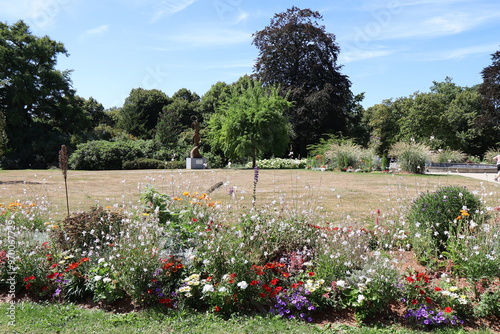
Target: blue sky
{"type": "Point", "coordinates": [389, 48]}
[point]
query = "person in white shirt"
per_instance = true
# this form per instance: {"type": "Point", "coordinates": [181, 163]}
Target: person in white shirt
{"type": "Point", "coordinates": [497, 159]}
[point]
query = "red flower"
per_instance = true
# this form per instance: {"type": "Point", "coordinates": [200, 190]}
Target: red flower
{"type": "Point", "coordinates": [267, 288]}
{"type": "Point", "coordinates": [428, 300]}
{"type": "Point", "coordinates": [262, 295]}
{"type": "Point", "coordinates": [414, 302]}
{"type": "Point", "coordinates": [195, 220]}
{"type": "Point", "coordinates": [311, 274]}
{"type": "Point", "coordinates": [269, 265]}
{"type": "Point", "coordinates": [294, 286]}
{"type": "Point", "coordinates": [437, 288]}
{"type": "Point", "coordinates": [73, 266]}
{"type": "Point", "coordinates": [54, 265]}
{"type": "Point", "coordinates": [274, 281]}
{"type": "Point", "coordinates": [422, 292]}
{"type": "Point", "coordinates": [410, 279]}
{"type": "Point", "coordinates": [26, 279]}
{"type": "Point", "coordinates": [278, 289]}
{"type": "Point", "coordinates": [286, 275]}
{"type": "Point", "coordinates": [51, 276]}
{"type": "Point", "coordinates": [448, 309]}
{"type": "Point", "coordinates": [254, 282]}
{"type": "Point", "coordinates": [217, 309]}
{"type": "Point", "coordinates": [85, 259]}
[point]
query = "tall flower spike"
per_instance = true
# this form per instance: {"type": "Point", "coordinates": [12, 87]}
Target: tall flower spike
{"type": "Point", "coordinates": [63, 165]}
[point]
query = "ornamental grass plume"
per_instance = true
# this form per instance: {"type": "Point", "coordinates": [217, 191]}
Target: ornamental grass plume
{"type": "Point", "coordinates": [63, 165]}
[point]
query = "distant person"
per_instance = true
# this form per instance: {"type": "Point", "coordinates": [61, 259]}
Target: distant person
{"type": "Point", "coordinates": [497, 160]}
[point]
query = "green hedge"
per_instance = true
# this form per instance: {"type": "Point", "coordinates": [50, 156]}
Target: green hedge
{"type": "Point", "coordinates": [147, 163]}
{"type": "Point", "coordinates": [106, 155]}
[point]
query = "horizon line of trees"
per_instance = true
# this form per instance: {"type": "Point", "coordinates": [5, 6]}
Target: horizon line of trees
{"type": "Point", "coordinates": [296, 97]}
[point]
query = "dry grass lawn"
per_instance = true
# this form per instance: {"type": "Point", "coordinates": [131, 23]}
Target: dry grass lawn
{"type": "Point", "coordinates": [340, 196]}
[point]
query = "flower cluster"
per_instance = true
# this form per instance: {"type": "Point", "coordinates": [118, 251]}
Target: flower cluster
{"type": "Point", "coordinates": [293, 303]}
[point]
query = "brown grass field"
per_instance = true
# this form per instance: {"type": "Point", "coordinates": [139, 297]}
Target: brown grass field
{"type": "Point", "coordinates": [351, 197]}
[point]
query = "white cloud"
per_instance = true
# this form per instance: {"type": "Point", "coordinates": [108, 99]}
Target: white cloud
{"type": "Point", "coordinates": [207, 37]}
{"type": "Point", "coordinates": [95, 31]}
{"type": "Point", "coordinates": [169, 7]}
{"type": "Point", "coordinates": [463, 52]}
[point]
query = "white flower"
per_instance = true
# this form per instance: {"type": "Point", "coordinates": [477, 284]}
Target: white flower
{"type": "Point", "coordinates": [106, 279]}
{"type": "Point", "coordinates": [208, 288]}
{"type": "Point", "coordinates": [222, 289]}
{"type": "Point", "coordinates": [97, 278]}
{"type": "Point", "coordinates": [242, 285]}
{"type": "Point", "coordinates": [101, 260]}
{"type": "Point", "coordinates": [361, 298]}
{"type": "Point", "coordinates": [341, 283]}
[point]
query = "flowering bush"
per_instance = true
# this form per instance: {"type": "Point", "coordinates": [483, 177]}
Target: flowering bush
{"type": "Point", "coordinates": [433, 218]}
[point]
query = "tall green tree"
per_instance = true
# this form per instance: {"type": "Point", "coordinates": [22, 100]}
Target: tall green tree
{"type": "Point", "coordinates": [37, 101]}
{"type": "Point", "coordinates": [297, 53]}
{"type": "Point", "coordinates": [251, 123]}
{"type": "Point", "coordinates": [177, 116]}
{"type": "Point", "coordinates": [140, 112]}
{"type": "Point", "coordinates": [490, 91]}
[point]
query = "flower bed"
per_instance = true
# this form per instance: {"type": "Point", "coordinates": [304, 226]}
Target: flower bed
{"type": "Point", "coordinates": [185, 253]}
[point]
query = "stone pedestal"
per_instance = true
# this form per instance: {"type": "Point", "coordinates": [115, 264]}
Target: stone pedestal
{"type": "Point", "coordinates": [196, 163]}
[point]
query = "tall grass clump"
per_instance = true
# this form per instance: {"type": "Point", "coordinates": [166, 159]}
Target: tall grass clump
{"type": "Point", "coordinates": [448, 155]}
{"type": "Point", "coordinates": [433, 218]}
{"type": "Point", "coordinates": [411, 156]}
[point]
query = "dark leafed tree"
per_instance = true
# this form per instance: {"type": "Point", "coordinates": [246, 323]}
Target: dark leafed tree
{"type": "Point", "coordinates": [177, 117]}
{"type": "Point", "coordinates": [490, 90]}
{"type": "Point", "coordinates": [38, 105]}
{"type": "Point", "coordinates": [296, 53]}
{"type": "Point", "coordinates": [140, 112]}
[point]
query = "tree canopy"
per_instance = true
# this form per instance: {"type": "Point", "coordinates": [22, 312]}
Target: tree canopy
{"type": "Point", "coordinates": [297, 53]}
{"type": "Point", "coordinates": [251, 123]}
{"type": "Point", "coordinates": [141, 110]}
{"type": "Point", "coordinates": [37, 102]}
{"type": "Point", "coordinates": [490, 91]}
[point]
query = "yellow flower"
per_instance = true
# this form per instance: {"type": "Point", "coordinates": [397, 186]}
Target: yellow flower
{"type": "Point", "coordinates": [185, 193]}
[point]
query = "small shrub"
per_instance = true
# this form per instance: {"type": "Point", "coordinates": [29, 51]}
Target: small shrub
{"type": "Point", "coordinates": [432, 218]}
{"type": "Point", "coordinates": [86, 229]}
{"type": "Point", "coordinates": [411, 156]}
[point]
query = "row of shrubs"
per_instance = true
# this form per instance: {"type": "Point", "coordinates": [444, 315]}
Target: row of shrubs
{"type": "Point", "coordinates": [336, 155]}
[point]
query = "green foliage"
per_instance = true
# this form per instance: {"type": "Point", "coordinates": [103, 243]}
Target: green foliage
{"type": "Point", "coordinates": [103, 155]}
{"type": "Point", "coordinates": [411, 156]}
{"type": "Point", "coordinates": [448, 155]}
{"type": "Point", "coordinates": [38, 106]}
{"type": "Point", "coordinates": [140, 112]}
{"type": "Point", "coordinates": [296, 53]}
{"type": "Point", "coordinates": [251, 123]}
{"type": "Point", "coordinates": [473, 248]}
{"type": "Point", "coordinates": [489, 303]}
{"type": "Point", "coordinates": [432, 218]}
{"type": "Point", "coordinates": [147, 163]}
